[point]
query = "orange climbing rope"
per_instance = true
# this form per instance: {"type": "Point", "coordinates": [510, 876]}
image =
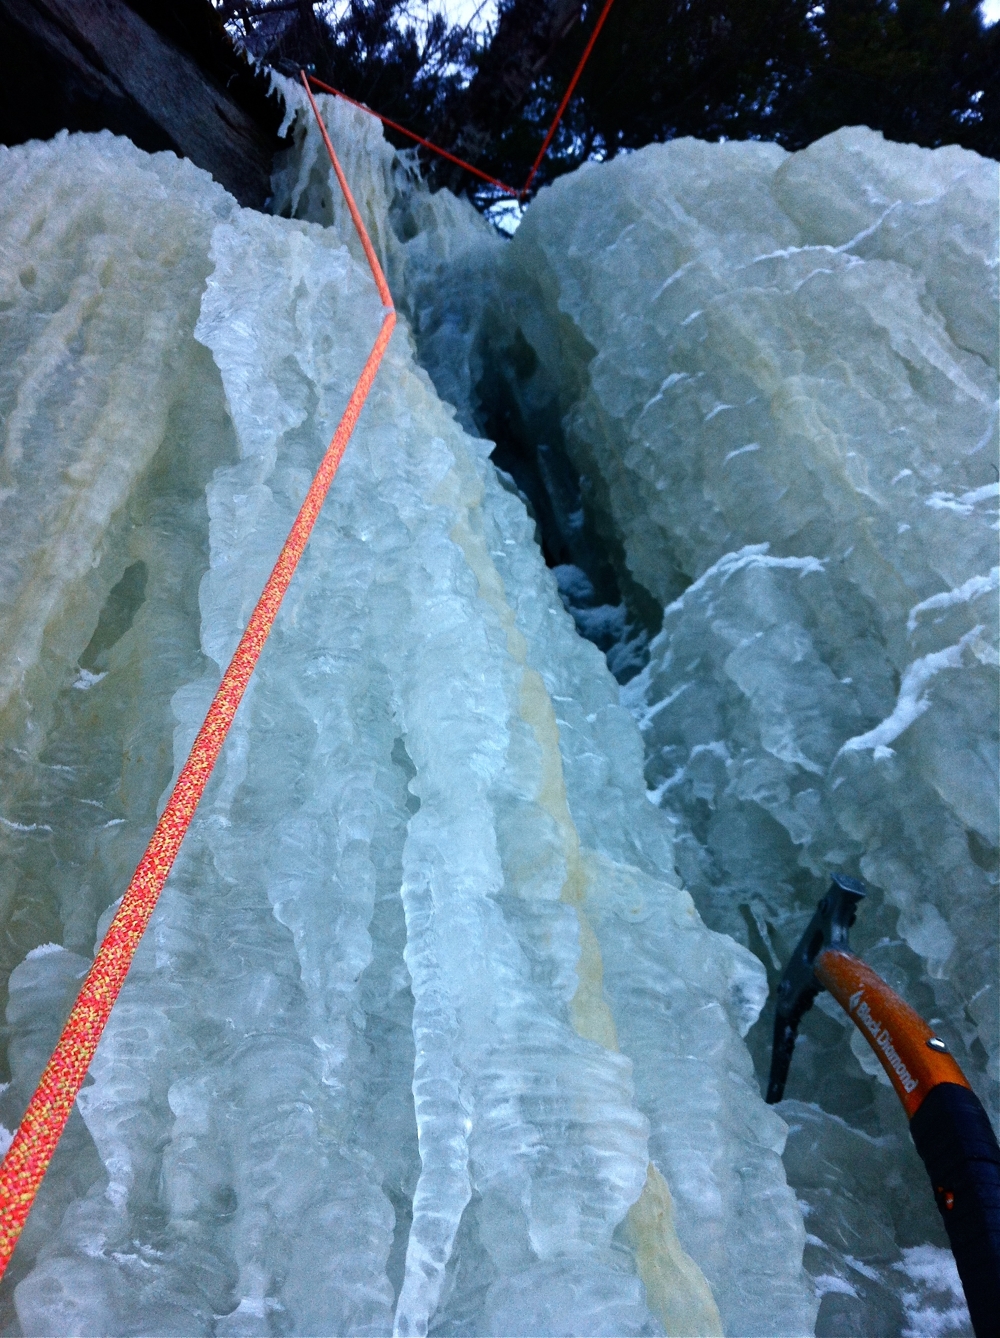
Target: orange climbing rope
{"type": "Point", "coordinates": [443, 153]}
{"type": "Point", "coordinates": [48, 1110]}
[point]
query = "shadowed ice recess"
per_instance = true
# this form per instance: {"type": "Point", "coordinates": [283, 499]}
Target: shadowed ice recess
{"type": "Point", "coordinates": [450, 1018]}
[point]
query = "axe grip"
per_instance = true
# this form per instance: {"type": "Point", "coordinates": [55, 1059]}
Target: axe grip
{"type": "Point", "coordinates": [949, 1126]}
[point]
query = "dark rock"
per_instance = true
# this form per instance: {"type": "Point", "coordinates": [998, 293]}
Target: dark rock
{"type": "Point", "coordinates": [164, 75]}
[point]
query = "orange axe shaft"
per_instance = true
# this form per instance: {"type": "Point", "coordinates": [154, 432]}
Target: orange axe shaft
{"type": "Point", "coordinates": [949, 1126]}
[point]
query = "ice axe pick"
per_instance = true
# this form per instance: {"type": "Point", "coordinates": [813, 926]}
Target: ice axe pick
{"type": "Point", "coordinates": [948, 1124]}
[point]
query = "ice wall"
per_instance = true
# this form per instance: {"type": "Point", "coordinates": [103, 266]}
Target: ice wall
{"type": "Point", "coordinates": [776, 376]}
{"type": "Point", "coordinates": [113, 419]}
{"type": "Point", "coordinates": [424, 1034]}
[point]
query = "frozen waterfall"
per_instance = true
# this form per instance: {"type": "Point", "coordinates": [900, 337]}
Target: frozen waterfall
{"type": "Point", "coordinates": [427, 1034]}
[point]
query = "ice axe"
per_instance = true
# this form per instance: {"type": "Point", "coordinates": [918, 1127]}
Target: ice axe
{"type": "Point", "coordinates": [949, 1126]}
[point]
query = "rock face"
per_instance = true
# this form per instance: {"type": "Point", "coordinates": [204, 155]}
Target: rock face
{"type": "Point", "coordinates": [424, 1033]}
{"type": "Point", "coordinates": [160, 74]}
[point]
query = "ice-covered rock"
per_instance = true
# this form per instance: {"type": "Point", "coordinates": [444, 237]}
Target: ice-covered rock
{"type": "Point", "coordinates": [424, 1032]}
{"type": "Point", "coordinates": [776, 376]}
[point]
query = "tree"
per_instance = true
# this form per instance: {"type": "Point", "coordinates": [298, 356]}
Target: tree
{"type": "Point", "coordinates": [924, 71]}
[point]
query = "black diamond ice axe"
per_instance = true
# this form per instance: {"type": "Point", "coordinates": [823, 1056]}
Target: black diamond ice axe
{"type": "Point", "coordinates": [949, 1126]}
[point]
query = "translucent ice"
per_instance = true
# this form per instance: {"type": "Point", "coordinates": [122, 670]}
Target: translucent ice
{"type": "Point", "coordinates": [424, 1034]}
{"type": "Point", "coordinates": [776, 376]}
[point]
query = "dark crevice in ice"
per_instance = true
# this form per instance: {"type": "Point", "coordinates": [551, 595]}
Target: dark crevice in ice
{"type": "Point", "coordinates": [609, 608]}
{"type": "Point", "coordinates": [122, 604]}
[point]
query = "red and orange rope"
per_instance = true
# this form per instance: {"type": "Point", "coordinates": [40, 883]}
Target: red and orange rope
{"type": "Point", "coordinates": [48, 1110]}
{"type": "Point", "coordinates": [434, 148]}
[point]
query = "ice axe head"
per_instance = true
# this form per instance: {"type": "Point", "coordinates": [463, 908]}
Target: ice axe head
{"type": "Point", "coordinates": [798, 986]}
